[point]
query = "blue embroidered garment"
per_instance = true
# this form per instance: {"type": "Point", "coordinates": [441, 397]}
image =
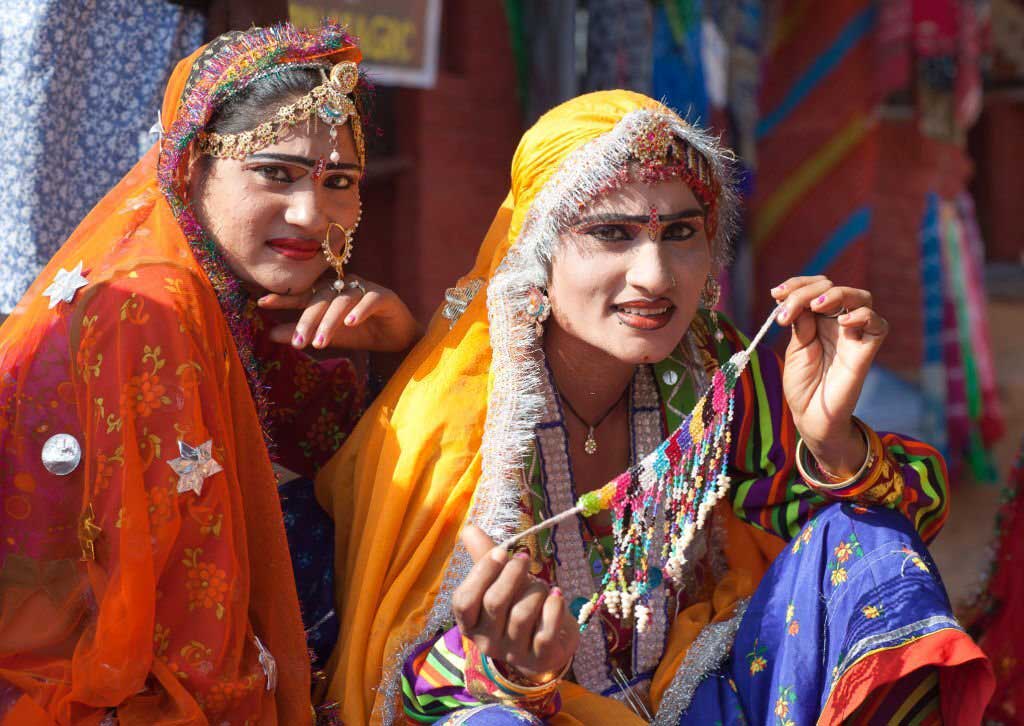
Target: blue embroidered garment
{"type": "Point", "coordinates": [854, 582]}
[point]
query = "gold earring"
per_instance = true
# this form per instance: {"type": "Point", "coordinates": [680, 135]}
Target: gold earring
{"type": "Point", "coordinates": [338, 261]}
{"type": "Point", "coordinates": [710, 296]}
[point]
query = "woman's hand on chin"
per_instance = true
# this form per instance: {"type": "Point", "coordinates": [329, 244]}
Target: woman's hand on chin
{"type": "Point", "coordinates": [512, 617]}
{"type": "Point", "coordinates": [365, 316]}
{"type": "Point", "coordinates": [835, 337]}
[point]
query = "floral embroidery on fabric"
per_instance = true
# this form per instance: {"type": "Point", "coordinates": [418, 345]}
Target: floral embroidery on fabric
{"type": "Point", "coordinates": [914, 558]}
{"type": "Point", "coordinates": [207, 584]}
{"type": "Point", "coordinates": [224, 694]}
{"type": "Point", "coordinates": [106, 468]}
{"type": "Point", "coordinates": [787, 697]}
{"type": "Point", "coordinates": [841, 555]}
{"type": "Point", "coordinates": [161, 639]}
{"type": "Point", "coordinates": [872, 611]}
{"type": "Point", "coordinates": [132, 310]}
{"type": "Point", "coordinates": [325, 435]}
{"type": "Point", "coordinates": [88, 360]}
{"type": "Point", "coordinates": [161, 504]}
{"type": "Point", "coordinates": [186, 303]}
{"type": "Point", "coordinates": [756, 659]}
{"type": "Point", "coordinates": [803, 538]}
{"type": "Point", "coordinates": [307, 377]}
{"type": "Point", "coordinates": [144, 393]}
{"type": "Point", "coordinates": [197, 656]}
{"type": "Point", "coordinates": [792, 626]}
{"type": "Point", "coordinates": [177, 670]}
{"type": "Point", "coordinates": [838, 574]}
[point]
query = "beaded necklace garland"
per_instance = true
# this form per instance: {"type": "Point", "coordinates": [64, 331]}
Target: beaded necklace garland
{"type": "Point", "coordinates": [227, 66]}
{"type": "Point", "coordinates": [660, 503]}
{"type": "Point", "coordinates": [592, 667]}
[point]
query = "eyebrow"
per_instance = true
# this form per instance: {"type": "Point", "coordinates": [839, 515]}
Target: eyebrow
{"type": "Point", "coordinates": [641, 219]}
{"type": "Point", "coordinates": [300, 160]}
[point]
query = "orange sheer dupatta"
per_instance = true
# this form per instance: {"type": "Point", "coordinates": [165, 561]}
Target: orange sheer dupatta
{"type": "Point", "coordinates": [116, 589]}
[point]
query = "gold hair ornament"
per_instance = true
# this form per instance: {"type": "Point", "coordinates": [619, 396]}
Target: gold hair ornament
{"type": "Point", "coordinates": [331, 102]}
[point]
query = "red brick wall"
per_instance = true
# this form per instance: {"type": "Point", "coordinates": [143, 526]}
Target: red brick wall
{"type": "Point", "coordinates": [910, 167]}
{"type": "Point", "coordinates": [997, 145]}
{"type": "Point", "coordinates": [422, 225]}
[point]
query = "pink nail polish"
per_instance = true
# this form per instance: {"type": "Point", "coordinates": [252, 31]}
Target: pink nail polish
{"type": "Point", "coordinates": [350, 319]}
{"type": "Point", "coordinates": [821, 299]}
{"type": "Point", "coordinates": [556, 591]}
{"type": "Point", "coordinates": [522, 556]}
{"type": "Point", "coordinates": [779, 288]}
{"type": "Point", "coordinates": [319, 342]}
{"type": "Point", "coordinates": [783, 314]}
{"type": "Point", "coordinates": [297, 339]}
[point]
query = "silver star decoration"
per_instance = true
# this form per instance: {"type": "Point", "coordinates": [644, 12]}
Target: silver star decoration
{"type": "Point", "coordinates": [268, 663]}
{"type": "Point", "coordinates": [193, 466]}
{"type": "Point", "coordinates": [65, 285]}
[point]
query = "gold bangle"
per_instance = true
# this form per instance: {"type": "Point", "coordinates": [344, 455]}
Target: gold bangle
{"type": "Point", "coordinates": [804, 467]}
{"type": "Point", "coordinates": [519, 689]}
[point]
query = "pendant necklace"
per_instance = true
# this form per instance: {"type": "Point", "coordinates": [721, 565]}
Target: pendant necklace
{"type": "Point", "coordinates": [590, 443]}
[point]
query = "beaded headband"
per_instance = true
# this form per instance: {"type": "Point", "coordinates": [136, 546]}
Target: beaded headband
{"type": "Point", "coordinates": [659, 153]}
{"type": "Point", "coordinates": [331, 102]}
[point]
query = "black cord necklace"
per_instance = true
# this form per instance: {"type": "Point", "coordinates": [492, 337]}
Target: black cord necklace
{"type": "Point", "coordinates": [590, 443]}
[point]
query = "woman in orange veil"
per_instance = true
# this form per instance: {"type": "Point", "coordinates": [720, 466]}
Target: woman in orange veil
{"type": "Point", "coordinates": [145, 574]}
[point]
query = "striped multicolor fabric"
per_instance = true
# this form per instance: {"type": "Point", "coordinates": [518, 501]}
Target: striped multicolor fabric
{"type": "Point", "coordinates": [433, 680]}
{"type": "Point", "coordinates": [767, 489]}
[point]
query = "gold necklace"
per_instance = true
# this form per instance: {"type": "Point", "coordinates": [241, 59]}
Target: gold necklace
{"type": "Point", "coordinates": [590, 443]}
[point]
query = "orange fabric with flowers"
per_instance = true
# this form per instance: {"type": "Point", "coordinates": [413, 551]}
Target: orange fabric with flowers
{"type": "Point", "coordinates": [161, 623]}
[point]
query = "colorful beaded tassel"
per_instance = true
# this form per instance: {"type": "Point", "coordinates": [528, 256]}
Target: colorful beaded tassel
{"type": "Point", "coordinates": [672, 489]}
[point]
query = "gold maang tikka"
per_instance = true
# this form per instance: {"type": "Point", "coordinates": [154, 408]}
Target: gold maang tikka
{"type": "Point", "coordinates": [331, 102]}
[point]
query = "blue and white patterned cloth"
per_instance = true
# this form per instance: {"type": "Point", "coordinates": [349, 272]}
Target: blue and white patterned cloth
{"type": "Point", "coordinates": [81, 83]}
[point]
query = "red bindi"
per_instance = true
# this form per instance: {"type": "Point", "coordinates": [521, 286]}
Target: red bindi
{"type": "Point", "coordinates": [318, 170]}
{"type": "Point", "coordinates": [653, 224]}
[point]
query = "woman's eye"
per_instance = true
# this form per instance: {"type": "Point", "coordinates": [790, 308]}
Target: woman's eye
{"type": "Point", "coordinates": [612, 232]}
{"type": "Point", "coordinates": [274, 173]}
{"type": "Point", "coordinates": [340, 181]}
{"type": "Point", "coordinates": [679, 231]}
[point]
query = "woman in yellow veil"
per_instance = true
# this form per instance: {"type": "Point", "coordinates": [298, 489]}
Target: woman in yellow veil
{"type": "Point", "coordinates": [584, 333]}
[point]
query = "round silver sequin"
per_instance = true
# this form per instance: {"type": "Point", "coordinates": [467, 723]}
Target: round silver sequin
{"type": "Point", "coordinates": [670, 378]}
{"type": "Point", "coordinates": [61, 454]}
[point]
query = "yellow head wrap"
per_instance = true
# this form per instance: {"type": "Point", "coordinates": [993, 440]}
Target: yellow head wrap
{"type": "Point", "coordinates": [449, 430]}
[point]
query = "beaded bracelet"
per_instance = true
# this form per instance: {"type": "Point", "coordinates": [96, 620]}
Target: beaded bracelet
{"type": "Point", "coordinates": [808, 466]}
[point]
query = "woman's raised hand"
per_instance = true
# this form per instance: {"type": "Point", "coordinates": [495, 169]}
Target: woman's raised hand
{"type": "Point", "coordinates": [513, 617]}
{"type": "Point", "coordinates": [365, 316]}
{"type": "Point", "coordinates": [836, 335]}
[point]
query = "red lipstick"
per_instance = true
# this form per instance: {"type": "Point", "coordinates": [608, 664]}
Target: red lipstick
{"type": "Point", "coordinates": [295, 248]}
{"type": "Point", "coordinates": [645, 314]}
